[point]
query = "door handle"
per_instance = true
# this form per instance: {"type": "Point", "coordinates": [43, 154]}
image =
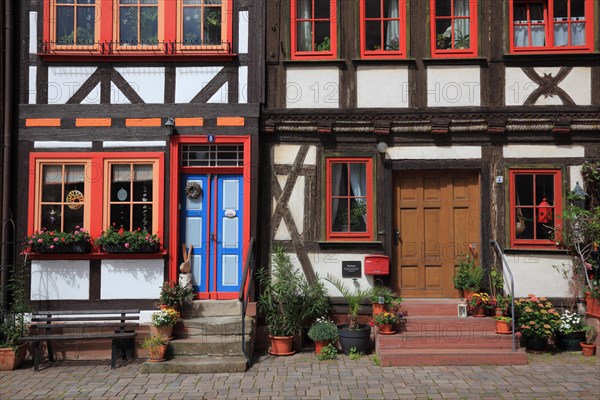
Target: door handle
{"type": "Point", "coordinates": [396, 237]}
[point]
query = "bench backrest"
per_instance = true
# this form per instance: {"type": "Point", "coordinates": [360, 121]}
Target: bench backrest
{"type": "Point", "coordinates": [120, 319]}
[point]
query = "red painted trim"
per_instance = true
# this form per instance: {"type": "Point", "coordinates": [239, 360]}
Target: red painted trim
{"type": "Point", "coordinates": [401, 52]}
{"type": "Point", "coordinates": [474, 34]}
{"type": "Point", "coordinates": [173, 209]}
{"type": "Point", "coordinates": [138, 57]}
{"type": "Point", "coordinates": [549, 48]}
{"type": "Point", "coordinates": [314, 55]}
{"type": "Point", "coordinates": [170, 15]}
{"type": "Point", "coordinates": [46, 18]}
{"type": "Point", "coordinates": [98, 256]}
{"type": "Point", "coordinates": [225, 295]}
{"type": "Point", "coordinates": [106, 20]}
{"type": "Point", "coordinates": [558, 202]}
{"type": "Point", "coordinates": [208, 237]}
{"type": "Point", "coordinates": [350, 236]}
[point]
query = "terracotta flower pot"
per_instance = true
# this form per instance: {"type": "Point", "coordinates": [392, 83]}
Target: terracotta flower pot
{"type": "Point", "coordinates": [378, 308]}
{"type": "Point", "coordinates": [166, 331]}
{"type": "Point", "coordinates": [10, 360]}
{"type": "Point", "coordinates": [319, 344]}
{"type": "Point", "coordinates": [503, 327]}
{"type": "Point", "coordinates": [499, 312]}
{"type": "Point", "coordinates": [588, 349]}
{"type": "Point", "coordinates": [281, 345]}
{"type": "Point", "coordinates": [479, 312]}
{"type": "Point", "coordinates": [467, 293]}
{"type": "Point", "coordinates": [386, 329]}
{"type": "Point", "coordinates": [158, 353]}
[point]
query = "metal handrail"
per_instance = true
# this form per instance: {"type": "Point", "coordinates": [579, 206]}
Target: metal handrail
{"type": "Point", "coordinates": [244, 294]}
{"type": "Point", "coordinates": [512, 291]}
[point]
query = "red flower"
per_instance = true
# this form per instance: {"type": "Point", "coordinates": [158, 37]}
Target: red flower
{"type": "Point", "coordinates": [121, 231]}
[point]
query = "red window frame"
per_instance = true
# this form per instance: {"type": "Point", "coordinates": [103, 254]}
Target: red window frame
{"type": "Point", "coordinates": [97, 177]}
{"type": "Point", "coordinates": [401, 51]}
{"type": "Point", "coordinates": [556, 207]}
{"type": "Point", "coordinates": [548, 23]}
{"type": "Point", "coordinates": [107, 33]}
{"type": "Point", "coordinates": [473, 35]}
{"type": "Point", "coordinates": [314, 55]}
{"type": "Point", "coordinates": [369, 234]}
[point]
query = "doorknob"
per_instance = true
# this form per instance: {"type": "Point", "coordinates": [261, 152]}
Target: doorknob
{"type": "Point", "coordinates": [396, 237]}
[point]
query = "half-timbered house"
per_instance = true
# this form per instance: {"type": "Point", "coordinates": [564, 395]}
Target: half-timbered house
{"type": "Point", "coordinates": [424, 129]}
{"type": "Point", "coordinates": [124, 104]}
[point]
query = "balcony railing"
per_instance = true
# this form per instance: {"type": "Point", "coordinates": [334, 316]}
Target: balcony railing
{"type": "Point", "coordinates": [123, 48]}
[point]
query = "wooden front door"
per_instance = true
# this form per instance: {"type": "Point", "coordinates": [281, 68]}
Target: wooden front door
{"type": "Point", "coordinates": [437, 216]}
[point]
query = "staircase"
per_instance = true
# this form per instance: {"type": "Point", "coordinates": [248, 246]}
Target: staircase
{"type": "Point", "coordinates": [433, 335]}
{"type": "Point", "coordinates": [208, 340]}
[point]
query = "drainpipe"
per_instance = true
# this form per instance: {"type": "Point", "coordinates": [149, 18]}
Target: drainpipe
{"type": "Point", "coordinates": [6, 145]}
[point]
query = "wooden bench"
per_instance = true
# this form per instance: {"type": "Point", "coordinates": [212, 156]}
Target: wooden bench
{"type": "Point", "coordinates": [49, 326]}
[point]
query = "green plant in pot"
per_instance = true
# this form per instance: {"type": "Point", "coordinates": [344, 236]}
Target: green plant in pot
{"type": "Point", "coordinates": [570, 332]}
{"type": "Point", "coordinates": [381, 297]}
{"type": "Point", "coordinates": [156, 346]}
{"type": "Point", "coordinates": [323, 332]}
{"type": "Point", "coordinates": [468, 276]}
{"type": "Point", "coordinates": [588, 347]}
{"type": "Point", "coordinates": [14, 324]}
{"type": "Point", "coordinates": [353, 334]}
{"type": "Point", "coordinates": [287, 301]}
{"type": "Point", "coordinates": [537, 320]}
{"type": "Point", "coordinates": [172, 295]}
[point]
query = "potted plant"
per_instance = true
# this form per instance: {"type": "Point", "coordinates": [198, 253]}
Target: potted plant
{"type": "Point", "coordinates": [503, 325]}
{"type": "Point", "coordinates": [479, 303]}
{"type": "Point", "coordinates": [45, 241]}
{"type": "Point", "coordinates": [502, 303]}
{"type": "Point", "coordinates": [287, 301]}
{"type": "Point", "coordinates": [380, 297]}
{"type": "Point", "coordinates": [323, 332]}
{"type": "Point", "coordinates": [386, 321]}
{"type": "Point", "coordinates": [570, 332]}
{"type": "Point", "coordinates": [393, 303]}
{"type": "Point", "coordinates": [588, 347]}
{"type": "Point", "coordinates": [172, 295]}
{"type": "Point", "coordinates": [163, 322]}
{"type": "Point", "coordinates": [353, 334]}
{"type": "Point", "coordinates": [13, 325]}
{"type": "Point", "coordinates": [115, 240]}
{"type": "Point", "coordinates": [157, 347]}
{"type": "Point", "coordinates": [468, 276]}
{"type": "Point", "coordinates": [537, 320]}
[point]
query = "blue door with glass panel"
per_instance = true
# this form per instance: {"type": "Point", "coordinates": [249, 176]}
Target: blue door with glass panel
{"type": "Point", "coordinates": [213, 224]}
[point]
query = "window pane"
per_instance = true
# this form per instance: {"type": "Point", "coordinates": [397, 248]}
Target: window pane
{"type": "Point", "coordinates": [85, 25]}
{"type": "Point", "coordinates": [443, 8]}
{"type": "Point", "coordinates": [304, 40]}
{"type": "Point", "coordinates": [358, 214]}
{"type": "Point", "coordinates": [520, 13]}
{"type": "Point", "coordinates": [142, 217]}
{"type": "Point", "coordinates": [149, 25]}
{"type": "Point", "coordinates": [65, 25]}
{"type": "Point", "coordinates": [149, 2]}
{"type": "Point", "coordinates": [373, 8]}
{"type": "Point", "coordinates": [128, 1]}
{"type": "Point", "coordinates": [560, 9]}
{"type": "Point", "coordinates": [304, 9]}
{"type": "Point", "coordinates": [524, 223]}
{"type": "Point", "coordinates": [120, 182]}
{"type": "Point", "coordinates": [390, 9]}
{"type": "Point", "coordinates": [322, 9]}
{"type": "Point", "coordinates": [339, 215]}
{"type": "Point", "coordinates": [524, 190]}
{"type": "Point", "coordinates": [192, 2]}
{"type": "Point", "coordinates": [461, 8]}
{"type": "Point", "coordinates": [191, 25]}
{"type": "Point", "coordinates": [462, 38]}
{"type": "Point", "coordinates": [86, 1]}
{"type": "Point", "coordinates": [322, 38]}
{"type": "Point", "coordinates": [52, 184]}
{"type": "Point", "coordinates": [339, 180]}
{"type": "Point", "coordinates": [119, 215]}
{"type": "Point", "coordinates": [128, 26]}
{"type": "Point", "coordinates": [212, 2]}
{"type": "Point", "coordinates": [212, 25]}
{"type": "Point", "coordinates": [51, 217]}
{"type": "Point", "coordinates": [391, 34]}
{"type": "Point", "coordinates": [544, 188]}
{"type": "Point", "coordinates": [577, 8]}
{"type": "Point", "coordinates": [142, 184]}
{"type": "Point", "coordinates": [65, 1]}
{"type": "Point", "coordinates": [73, 218]}
{"type": "Point", "coordinates": [373, 35]}
{"type": "Point", "coordinates": [358, 179]}
{"type": "Point", "coordinates": [536, 11]}
{"type": "Point", "coordinates": [443, 33]}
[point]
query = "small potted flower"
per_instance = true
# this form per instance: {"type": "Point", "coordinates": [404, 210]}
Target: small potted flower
{"type": "Point", "coordinates": [45, 241]}
{"type": "Point", "coordinates": [588, 347]}
{"type": "Point", "coordinates": [503, 325]}
{"type": "Point", "coordinates": [537, 321]}
{"type": "Point", "coordinates": [173, 295]}
{"type": "Point", "coordinates": [163, 322]}
{"type": "Point", "coordinates": [571, 332]}
{"type": "Point", "coordinates": [115, 240]}
{"type": "Point", "coordinates": [386, 321]}
{"type": "Point", "coordinates": [323, 332]}
{"type": "Point", "coordinates": [380, 298]}
{"type": "Point", "coordinates": [479, 303]}
{"type": "Point", "coordinates": [157, 347]}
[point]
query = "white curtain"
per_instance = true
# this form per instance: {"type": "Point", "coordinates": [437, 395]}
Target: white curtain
{"type": "Point", "coordinates": [461, 25]}
{"type": "Point", "coordinates": [358, 181]}
{"type": "Point", "coordinates": [392, 31]}
{"type": "Point", "coordinates": [304, 39]}
{"type": "Point", "coordinates": [336, 184]}
{"type": "Point", "coordinates": [121, 172]}
{"type": "Point", "coordinates": [561, 32]}
{"type": "Point", "coordinates": [577, 31]}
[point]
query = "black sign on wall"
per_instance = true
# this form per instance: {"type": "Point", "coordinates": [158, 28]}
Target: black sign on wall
{"type": "Point", "coordinates": [351, 269]}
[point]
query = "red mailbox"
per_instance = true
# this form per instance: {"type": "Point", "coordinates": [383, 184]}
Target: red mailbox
{"type": "Point", "coordinates": [377, 265]}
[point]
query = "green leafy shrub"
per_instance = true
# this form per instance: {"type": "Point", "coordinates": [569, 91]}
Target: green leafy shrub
{"type": "Point", "coordinates": [328, 352]}
{"type": "Point", "coordinates": [323, 330]}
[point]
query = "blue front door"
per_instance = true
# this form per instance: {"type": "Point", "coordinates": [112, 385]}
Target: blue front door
{"type": "Point", "coordinates": [213, 224]}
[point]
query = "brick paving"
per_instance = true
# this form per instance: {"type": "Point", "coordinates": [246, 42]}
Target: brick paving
{"type": "Point", "coordinates": [302, 376]}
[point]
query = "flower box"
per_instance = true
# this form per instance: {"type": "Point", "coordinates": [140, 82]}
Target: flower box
{"type": "Point", "coordinates": [120, 249]}
{"type": "Point", "coordinates": [71, 248]}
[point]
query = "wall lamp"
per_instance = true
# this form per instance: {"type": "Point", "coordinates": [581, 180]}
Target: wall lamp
{"type": "Point", "coordinates": [170, 126]}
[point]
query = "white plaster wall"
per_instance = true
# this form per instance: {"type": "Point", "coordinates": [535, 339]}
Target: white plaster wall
{"type": "Point", "coordinates": [32, 85]}
{"type": "Point", "coordinates": [242, 85]}
{"type": "Point", "coordinates": [575, 176]}
{"type": "Point", "coordinates": [148, 82]}
{"type": "Point", "coordinates": [312, 87]}
{"type": "Point", "coordinates": [116, 96]}
{"type": "Point", "coordinates": [33, 46]}
{"type": "Point", "coordinates": [544, 151]}
{"type": "Point", "coordinates": [189, 81]}
{"type": "Point", "coordinates": [286, 154]}
{"type": "Point", "coordinates": [221, 96]}
{"type": "Point", "coordinates": [131, 279]}
{"type": "Point", "coordinates": [93, 97]}
{"type": "Point", "coordinates": [63, 82]}
{"type": "Point", "coordinates": [382, 86]}
{"type": "Point", "coordinates": [243, 32]}
{"type": "Point", "coordinates": [60, 280]}
{"type": "Point", "coordinates": [453, 86]}
{"type": "Point", "coordinates": [434, 152]}
{"type": "Point", "coordinates": [578, 85]}
{"type": "Point", "coordinates": [541, 275]}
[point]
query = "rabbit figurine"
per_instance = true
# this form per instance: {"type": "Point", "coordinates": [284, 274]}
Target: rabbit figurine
{"type": "Point", "coordinates": [185, 278]}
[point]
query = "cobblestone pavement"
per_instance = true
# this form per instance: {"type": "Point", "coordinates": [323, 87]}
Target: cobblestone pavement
{"type": "Point", "coordinates": [560, 376]}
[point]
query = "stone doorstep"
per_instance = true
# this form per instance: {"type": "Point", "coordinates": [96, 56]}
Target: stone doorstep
{"type": "Point", "coordinates": [213, 308]}
{"type": "Point", "coordinates": [196, 365]}
{"type": "Point", "coordinates": [202, 326]}
{"type": "Point", "coordinates": [210, 345]}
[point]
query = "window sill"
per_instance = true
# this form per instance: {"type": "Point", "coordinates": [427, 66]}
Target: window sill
{"type": "Point", "coordinates": [462, 60]}
{"type": "Point", "coordinates": [135, 56]}
{"type": "Point", "coordinates": [97, 256]}
{"type": "Point", "coordinates": [333, 61]}
{"type": "Point", "coordinates": [351, 244]}
{"type": "Point", "coordinates": [538, 250]}
{"type": "Point", "coordinates": [549, 56]}
{"type": "Point", "coordinates": [373, 60]}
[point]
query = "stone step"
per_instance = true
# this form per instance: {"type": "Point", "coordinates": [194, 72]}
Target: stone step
{"type": "Point", "coordinates": [420, 307]}
{"type": "Point", "coordinates": [213, 308]}
{"type": "Point", "coordinates": [448, 324]}
{"type": "Point", "coordinates": [440, 340]}
{"type": "Point", "coordinates": [437, 357]}
{"type": "Point", "coordinates": [196, 365]}
{"type": "Point", "coordinates": [205, 326]}
{"type": "Point", "coordinates": [229, 345]}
